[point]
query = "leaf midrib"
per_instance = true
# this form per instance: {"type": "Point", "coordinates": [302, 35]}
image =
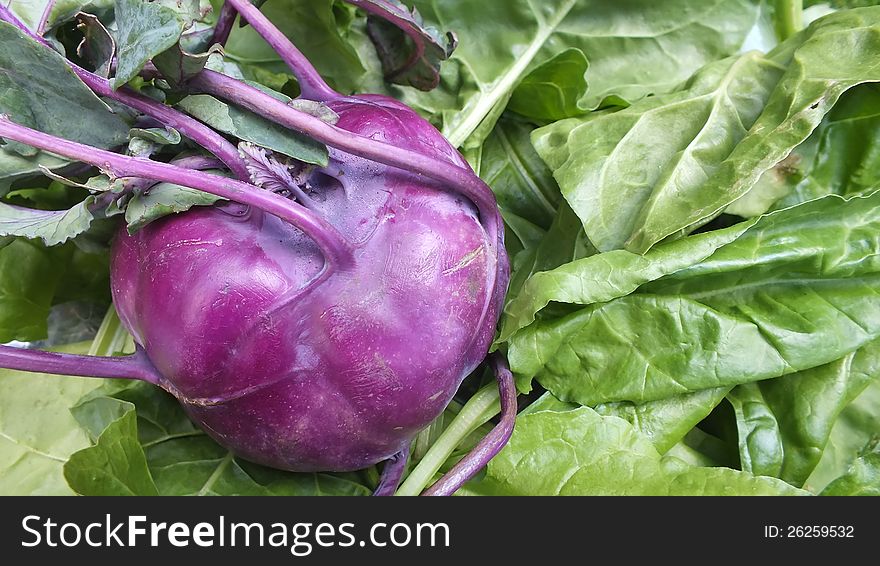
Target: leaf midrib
{"type": "Point", "coordinates": [503, 84]}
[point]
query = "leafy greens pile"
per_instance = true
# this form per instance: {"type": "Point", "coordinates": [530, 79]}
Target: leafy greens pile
{"type": "Point", "coordinates": [691, 192]}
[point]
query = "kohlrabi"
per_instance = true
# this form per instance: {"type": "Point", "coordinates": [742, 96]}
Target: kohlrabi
{"type": "Point", "coordinates": [327, 314]}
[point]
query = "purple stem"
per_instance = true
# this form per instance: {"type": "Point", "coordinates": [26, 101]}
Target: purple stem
{"type": "Point", "coordinates": [186, 125]}
{"type": "Point", "coordinates": [491, 444]}
{"type": "Point", "coordinates": [135, 366]}
{"type": "Point", "coordinates": [225, 21]}
{"type": "Point", "coordinates": [391, 13]}
{"type": "Point", "coordinates": [197, 162]}
{"type": "Point", "coordinates": [311, 84]}
{"type": "Point", "coordinates": [44, 17]}
{"type": "Point", "coordinates": [450, 175]}
{"type": "Point", "coordinates": [333, 245]}
{"type": "Point", "coordinates": [392, 471]}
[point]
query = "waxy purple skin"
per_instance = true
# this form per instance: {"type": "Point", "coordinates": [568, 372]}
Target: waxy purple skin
{"type": "Point", "coordinates": [303, 369]}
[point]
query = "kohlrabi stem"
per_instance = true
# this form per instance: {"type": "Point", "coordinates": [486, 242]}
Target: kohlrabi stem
{"type": "Point", "coordinates": [135, 366]}
{"type": "Point", "coordinates": [491, 444]}
{"type": "Point", "coordinates": [311, 84]}
{"type": "Point", "coordinates": [391, 13]}
{"type": "Point", "coordinates": [479, 409]}
{"type": "Point", "coordinates": [482, 406]}
{"type": "Point", "coordinates": [392, 471]}
{"type": "Point", "coordinates": [186, 125]}
{"type": "Point", "coordinates": [198, 162]}
{"type": "Point", "coordinates": [44, 17]}
{"type": "Point", "coordinates": [789, 18]}
{"type": "Point", "coordinates": [225, 21]}
{"type": "Point", "coordinates": [451, 176]}
{"type": "Point", "coordinates": [333, 245]}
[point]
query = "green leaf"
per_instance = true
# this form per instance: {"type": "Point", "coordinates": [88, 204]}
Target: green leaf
{"type": "Point", "coordinates": [30, 11]}
{"type": "Point", "coordinates": [841, 157]}
{"type": "Point", "coordinates": [14, 167]}
{"type": "Point", "coordinates": [37, 432]}
{"type": "Point", "coordinates": [502, 42]}
{"type": "Point", "coordinates": [249, 127]}
{"type": "Point", "coordinates": [784, 423]}
{"type": "Point", "coordinates": [841, 4]}
{"type": "Point", "coordinates": [666, 421]}
{"type": "Point", "coordinates": [399, 43]}
{"type": "Point", "coordinates": [145, 29]}
{"type": "Point", "coordinates": [564, 242]}
{"type": "Point", "coordinates": [28, 278]}
{"type": "Point", "coordinates": [603, 277]}
{"type": "Point", "coordinates": [835, 54]}
{"type": "Point", "coordinates": [521, 182]}
{"type": "Point", "coordinates": [862, 478]}
{"type": "Point", "coordinates": [180, 458]}
{"type": "Point", "coordinates": [97, 47]}
{"type": "Point", "coordinates": [51, 226]}
{"type": "Point", "coordinates": [177, 65]}
{"type": "Point", "coordinates": [38, 90]}
{"type": "Point", "coordinates": [796, 290]}
{"type": "Point", "coordinates": [145, 142]}
{"type": "Point", "coordinates": [580, 452]}
{"type": "Point", "coordinates": [612, 167]}
{"type": "Point", "coordinates": [552, 91]}
{"type": "Point", "coordinates": [115, 465]}
{"type": "Point", "coordinates": [161, 200]}
{"type": "Point", "coordinates": [856, 427]}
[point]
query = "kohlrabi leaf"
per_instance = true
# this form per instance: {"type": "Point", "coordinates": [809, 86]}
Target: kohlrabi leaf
{"type": "Point", "coordinates": [38, 90]}
{"type": "Point", "coordinates": [785, 423]}
{"type": "Point", "coordinates": [177, 65]}
{"type": "Point", "coordinates": [145, 142]}
{"type": "Point", "coordinates": [180, 458]}
{"type": "Point", "coordinates": [97, 47]}
{"type": "Point", "coordinates": [796, 290]}
{"type": "Point", "coordinates": [31, 11]}
{"type": "Point", "coordinates": [37, 432]}
{"type": "Point", "coordinates": [28, 278]}
{"type": "Point", "coordinates": [410, 51]}
{"type": "Point", "coordinates": [14, 166]}
{"type": "Point", "coordinates": [51, 226]}
{"type": "Point", "coordinates": [580, 452]}
{"type": "Point", "coordinates": [502, 42]}
{"type": "Point", "coordinates": [145, 29]}
{"type": "Point", "coordinates": [553, 90]}
{"type": "Point", "coordinates": [317, 27]}
{"type": "Point", "coordinates": [611, 167]}
{"type": "Point", "coordinates": [161, 200]}
{"type": "Point", "coordinates": [115, 465]}
{"type": "Point", "coordinates": [247, 126]}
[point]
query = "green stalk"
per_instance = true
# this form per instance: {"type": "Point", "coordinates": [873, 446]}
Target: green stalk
{"type": "Point", "coordinates": [484, 405]}
{"type": "Point", "coordinates": [789, 18]}
{"type": "Point", "coordinates": [112, 337]}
